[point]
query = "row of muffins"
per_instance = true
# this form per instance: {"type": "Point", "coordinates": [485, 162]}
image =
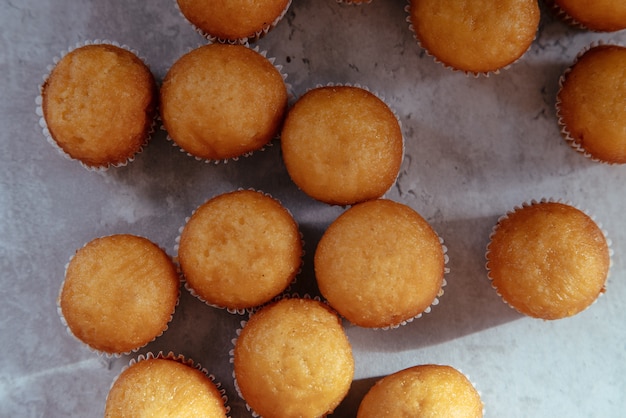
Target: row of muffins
{"type": "Point", "coordinates": [256, 394]}
{"type": "Point", "coordinates": [379, 264]}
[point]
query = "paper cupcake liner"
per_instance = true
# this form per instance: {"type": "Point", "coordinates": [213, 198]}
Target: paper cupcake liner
{"type": "Point", "coordinates": [435, 301]}
{"type": "Point", "coordinates": [565, 133]}
{"type": "Point", "coordinates": [92, 349]}
{"type": "Point", "coordinates": [535, 202]}
{"type": "Point", "coordinates": [475, 74]}
{"type": "Point", "coordinates": [249, 310]}
{"type": "Point", "coordinates": [182, 360]}
{"type": "Point", "coordinates": [247, 154]}
{"type": "Point", "coordinates": [44, 125]}
{"type": "Point", "coordinates": [562, 15]}
{"type": "Point", "coordinates": [246, 39]}
{"type": "Point", "coordinates": [242, 324]}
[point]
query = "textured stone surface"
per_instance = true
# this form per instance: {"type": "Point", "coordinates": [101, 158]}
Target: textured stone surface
{"type": "Point", "coordinates": [475, 148]}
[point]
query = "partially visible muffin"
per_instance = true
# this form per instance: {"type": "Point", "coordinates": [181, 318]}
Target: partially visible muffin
{"type": "Point", "coordinates": [164, 387]}
{"type": "Point", "coordinates": [342, 145]}
{"type": "Point", "coordinates": [475, 36]}
{"type": "Point", "coordinates": [293, 359]}
{"type": "Point", "coordinates": [599, 15]}
{"type": "Point", "coordinates": [99, 104]}
{"type": "Point", "coordinates": [240, 249]}
{"type": "Point", "coordinates": [233, 20]}
{"type": "Point", "coordinates": [119, 293]}
{"type": "Point", "coordinates": [420, 392]}
{"type": "Point", "coordinates": [591, 104]}
{"type": "Point", "coordinates": [548, 260]}
{"type": "Point", "coordinates": [223, 101]}
{"type": "Point", "coordinates": [380, 264]}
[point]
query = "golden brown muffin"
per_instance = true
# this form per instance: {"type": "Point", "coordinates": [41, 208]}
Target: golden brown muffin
{"type": "Point", "coordinates": [591, 104]}
{"type": "Point", "coordinates": [420, 392]}
{"type": "Point", "coordinates": [380, 264]}
{"type": "Point", "coordinates": [293, 359]}
{"type": "Point", "coordinates": [99, 104]}
{"type": "Point", "coordinates": [342, 145]}
{"type": "Point", "coordinates": [475, 36]}
{"type": "Point", "coordinates": [119, 293]}
{"type": "Point", "coordinates": [548, 260]}
{"type": "Point", "coordinates": [222, 101]}
{"type": "Point", "coordinates": [596, 15]}
{"type": "Point", "coordinates": [233, 20]}
{"type": "Point", "coordinates": [164, 387]}
{"type": "Point", "coordinates": [240, 249]}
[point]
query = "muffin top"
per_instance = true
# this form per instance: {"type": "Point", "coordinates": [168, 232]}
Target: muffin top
{"type": "Point", "coordinates": [163, 387]}
{"type": "Point", "coordinates": [422, 391]}
{"type": "Point", "coordinates": [233, 20]}
{"type": "Point", "coordinates": [342, 145]}
{"type": "Point", "coordinates": [591, 104]}
{"type": "Point", "coordinates": [474, 36]}
{"type": "Point", "coordinates": [99, 104]}
{"type": "Point", "coordinates": [222, 101]}
{"type": "Point", "coordinates": [293, 359]}
{"type": "Point", "coordinates": [240, 249]}
{"type": "Point", "coordinates": [119, 293]}
{"type": "Point", "coordinates": [548, 260]}
{"type": "Point", "coordinates": [603, 16]}
{"type": "Point", "coordinates": [379, 264]}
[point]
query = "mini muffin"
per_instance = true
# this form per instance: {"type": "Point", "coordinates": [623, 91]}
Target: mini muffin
{"type": "Point", "coordinates": [380, 264]}
{"type": "Point", "coordinates": [164, 387]}
{"type": "Point", "coordinates": [342, 145]}
{"type": "Point", "coordinates": [119, 293]}
{"type": "Point", "coordinates": [548, 260]}
{"type": "Point", "coordinates": [223, 101]}
{"type": "Point", "coordinates": [293, 359]}
{"type": "Point", "coordinates": [240, 249]}
{"type": "Point", "coordinates": [422, 391]}
{"type": "Point", "coordinates": [99, 104]}
{"type": "Point", "coordinates": [591, 104]}
{"type": "Point", "coordinates": [600, 15]}
{"type": "Point", "coordinates": [475, 36]}
{"type": "Point", "coordinates": [233, 20]}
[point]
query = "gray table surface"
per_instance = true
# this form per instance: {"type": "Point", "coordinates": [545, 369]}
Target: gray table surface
{"type": "Point", "coordinates": [475, 148]}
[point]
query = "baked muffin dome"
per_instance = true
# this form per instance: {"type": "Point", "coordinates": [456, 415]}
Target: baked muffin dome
{"type": "Point", "coordinates": [342, 145]}
{"type": "Point", "coordinates": [591, 104]}
{"type": "Point", "coordinates": [99, 104]}
{"type": "Point", "coordinates": [599, 15]}
{"type": "Point", "coordinates": [422, 391]}
{"type": "Point", "coordinates": [222, 101]}
{"type": "Point", "coordinates": [380, 264]}
{"type": "Point", "coordinates": [548, 260]}
{"type": "Point", "coordinates": [240, 249]}
{"type": "Point", "coordinates": [233, 20]}
{"type": "Point", "coordinates": [164, 387]}
{"type": "Point", "coordinates": [119, 293]}
{"type": "Point", "coordinates": [293, 359]}
{"type": "Point", "coordinates": [475, 36]}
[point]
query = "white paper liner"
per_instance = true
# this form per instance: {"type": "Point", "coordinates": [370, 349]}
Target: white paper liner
{"type": "Point", "coordinates": [564, 16]}
{"type": "Point", "coordinates": [475, 74]}
{"type": "Point", "coordinates": [248, 310]}
{"type": "Point", "coordinates": [242, 324]}
{"type": "Point", "coordinates": [541, 201]}
{"type": "Point", "coordinates": [245, 40]}
{"type": "Point", "coordinates": [391, 109]}
{"type": "Point", "coordinates": [290, 96]}
{"type": "Point", "coordinates": [105, 353]}
{"type": "Point", "coordinates": [182, 360]}
{"type": "Point", "coordinates": [565, 133]}
{"type": "Point", "coordinates": [44, 125]}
